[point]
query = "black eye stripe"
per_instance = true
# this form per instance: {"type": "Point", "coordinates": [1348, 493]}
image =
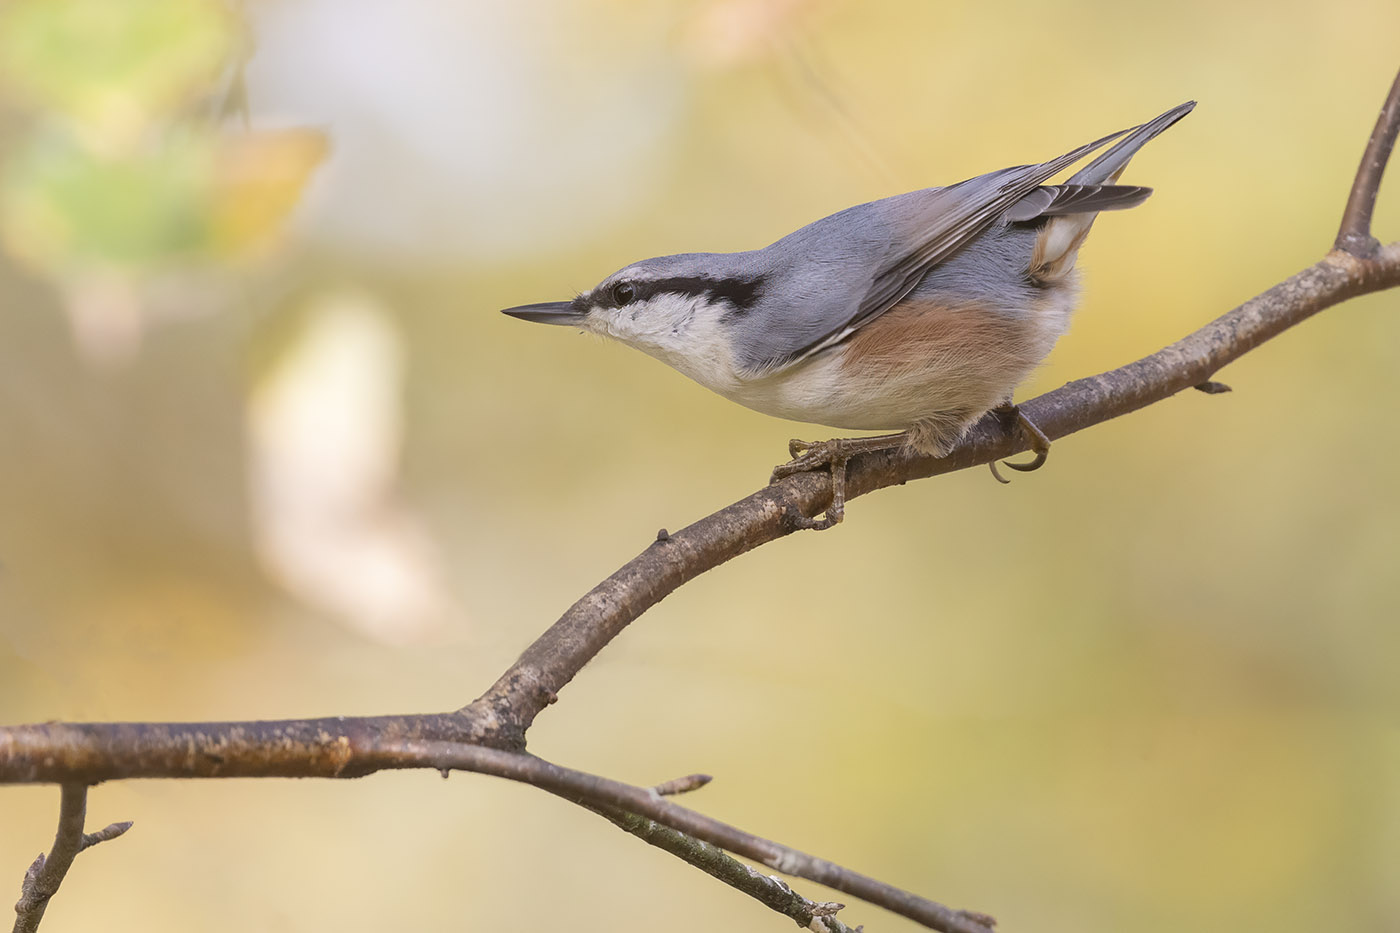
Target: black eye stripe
{"type": "Point", "coordinates": [741, 293]}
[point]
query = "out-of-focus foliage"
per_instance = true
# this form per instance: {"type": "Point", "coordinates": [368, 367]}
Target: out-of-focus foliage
{"type": "Point", "coordinates": [125, 173]}
{"type": "Point", "coordinates": [258, 180]}
{"type": "Point", "coordinates": [1151, 687]}
{"type": "Point", "coordinates": [70, 207]}
{"type": "Point", "coordinates": [113, 70]}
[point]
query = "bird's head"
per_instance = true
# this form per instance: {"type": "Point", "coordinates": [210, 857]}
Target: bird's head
{"type": "Point", "coordinates": [679, 309]}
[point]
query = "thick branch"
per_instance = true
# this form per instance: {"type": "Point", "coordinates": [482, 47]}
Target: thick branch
{"type": "Point", "coordinates": [42, 880]}
{"type": "Point", "coordinates": [325, 748]}
{"type": "Point", "coordinates": [1355, 234]}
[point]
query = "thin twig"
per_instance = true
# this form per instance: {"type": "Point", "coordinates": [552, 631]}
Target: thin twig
{"type": "Point", "coordinates": [1355, 234]}
{"type": "Point", "coordinates": [42, 880]}
{"type": "Point", "coordinates": [593, 790]}
{"type": "Point", "coordinates": [110, 831]}
{"type": "Point", "coordinates": [714, 861]}
{"type": "Point", "coordinates": [681, 785]}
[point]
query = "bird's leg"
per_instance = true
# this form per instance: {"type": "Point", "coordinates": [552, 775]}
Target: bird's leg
{"type": "Point", "coordinates": [807, 456]}
{"type": "Point", "coordinates": [1012, 417]}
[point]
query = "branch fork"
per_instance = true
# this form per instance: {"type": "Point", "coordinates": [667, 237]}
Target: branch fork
{"type": "Point", "coordinates": [47, 872]}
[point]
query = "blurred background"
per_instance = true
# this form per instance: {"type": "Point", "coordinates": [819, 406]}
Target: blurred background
{"type": "Point", "coordinates": [270, 451]}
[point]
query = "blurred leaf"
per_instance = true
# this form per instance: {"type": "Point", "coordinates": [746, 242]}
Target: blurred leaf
{"type": "Point", "coordinates": [114, 67]}
{"type": "Point", "coordinates": [259, 178]}
{"type": "Point", "coordinates": [325, 432]}
{"type": "Point", "coordinates": [64, 206]}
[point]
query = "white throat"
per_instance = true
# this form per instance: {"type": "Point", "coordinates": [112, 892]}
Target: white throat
{"type": "Point", "coordinates": [682, 331]}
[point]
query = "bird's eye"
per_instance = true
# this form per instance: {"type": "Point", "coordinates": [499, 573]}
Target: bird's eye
{"type": "Point", "coordinates": [623, 293]}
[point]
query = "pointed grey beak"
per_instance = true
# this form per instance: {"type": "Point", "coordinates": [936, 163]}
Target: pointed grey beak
{"type": "Point", "coordinates": [548, 312]}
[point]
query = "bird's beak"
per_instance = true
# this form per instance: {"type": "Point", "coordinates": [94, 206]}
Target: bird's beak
{"type": "Point", "coordinates": [549, 312]}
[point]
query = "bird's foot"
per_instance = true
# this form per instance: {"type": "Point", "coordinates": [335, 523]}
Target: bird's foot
{"type": "Point", "coordinates": [813, 456]}
{"type": "Point", "coordinates": [1012, 418]}
{"type": "Point", "coordinates": [835, 454]}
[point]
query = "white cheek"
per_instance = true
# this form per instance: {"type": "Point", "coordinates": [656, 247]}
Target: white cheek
{"type": "Point", "coordinates": [661, 322]}
{"type": "Point", "coordinates": [680, 331]}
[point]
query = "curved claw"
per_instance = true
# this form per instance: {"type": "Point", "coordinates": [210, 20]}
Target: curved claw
{"type": "Point", "coordinates": [1034, 463]}
{"type": "Point", "coordinates": [1014, 419]}
{"type": "Point", "coordinates": [803, 523]}
{"type": "Point", "coordinates": [996, 474]}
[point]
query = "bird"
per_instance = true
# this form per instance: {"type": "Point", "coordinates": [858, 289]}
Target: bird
{"type": "Point", "coordinates": [914, 314]}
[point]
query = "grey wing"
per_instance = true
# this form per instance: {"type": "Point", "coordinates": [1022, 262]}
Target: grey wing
{"type": "Point", "coordinates": [849, 268]}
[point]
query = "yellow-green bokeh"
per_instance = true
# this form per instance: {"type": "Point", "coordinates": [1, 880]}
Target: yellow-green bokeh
{"type": "Point", "coordinates": [1150, 687]}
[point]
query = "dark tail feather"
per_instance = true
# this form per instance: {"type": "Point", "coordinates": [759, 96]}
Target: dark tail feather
{"type": "Point", "coordinates": [1060, 239]}
{"type": "Point", "coordinates": [1106, 167]}
{"type": "Point", "coordinates": [1050, 200]}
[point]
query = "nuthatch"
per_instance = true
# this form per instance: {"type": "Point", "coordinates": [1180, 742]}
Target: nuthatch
{"type": "Point", "coordinates": [917, 313]}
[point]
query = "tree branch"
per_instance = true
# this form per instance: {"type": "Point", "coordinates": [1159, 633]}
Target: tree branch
{"type": "Point", "coordinates": [101, 751]}
{"type": "Point", "coordinates": [58, 752]}
{"type": "Point", "coordinates": [42, 880]}
{"type": "Point", "coordinates": [488, 735]}
{"type": "Point", "coordinates": [1355, 234]}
